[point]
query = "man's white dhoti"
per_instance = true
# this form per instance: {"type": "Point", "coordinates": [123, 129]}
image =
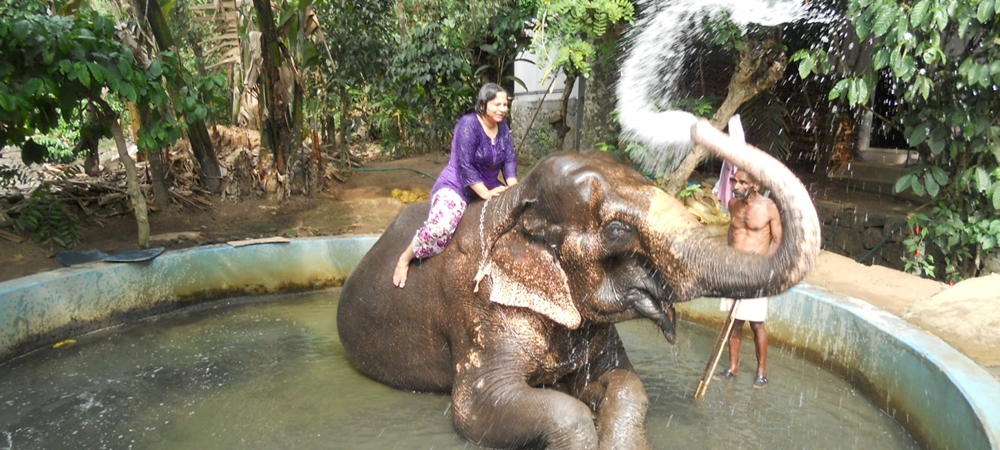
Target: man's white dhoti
{"type": "Point", "coordinates": [750, 309]}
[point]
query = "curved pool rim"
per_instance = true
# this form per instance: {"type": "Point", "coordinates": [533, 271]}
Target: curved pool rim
{"type": "Point", "coordinates": [938, 394]}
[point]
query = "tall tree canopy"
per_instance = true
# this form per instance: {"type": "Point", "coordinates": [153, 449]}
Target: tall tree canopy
{"type": "Point", "coordinates": [944, 61]}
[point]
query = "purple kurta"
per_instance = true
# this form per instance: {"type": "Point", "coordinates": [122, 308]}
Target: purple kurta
{"type": "Point", "coordinates": [474, 159]}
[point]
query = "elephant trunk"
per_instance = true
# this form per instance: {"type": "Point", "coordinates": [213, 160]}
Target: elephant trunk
{"type": "Point", "coordinates": [711, 268]}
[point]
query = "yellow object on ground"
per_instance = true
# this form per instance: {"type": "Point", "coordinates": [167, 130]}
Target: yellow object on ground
{"type": "Point", "coordinates": [414, 195]}
{"type": "Point", "coordinates": [65, 343]}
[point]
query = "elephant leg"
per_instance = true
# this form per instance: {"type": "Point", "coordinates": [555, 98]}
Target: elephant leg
{"type": "Point", "coordinates": [621, 403]}
{"type": "Point", "coordinates": [505, 414]}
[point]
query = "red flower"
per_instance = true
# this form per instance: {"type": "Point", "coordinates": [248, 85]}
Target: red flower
{"type": "Point", "coordinates": [917, 254]}
{"type": "Point", "coordinates": [918, 229]}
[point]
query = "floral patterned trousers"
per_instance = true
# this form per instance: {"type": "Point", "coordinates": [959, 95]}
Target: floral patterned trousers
{"type": "Point", "coordinates": [447, 207]}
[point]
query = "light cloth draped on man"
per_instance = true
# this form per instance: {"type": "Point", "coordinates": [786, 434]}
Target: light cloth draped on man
{"type": "Point", "coordinates": [750, 309]}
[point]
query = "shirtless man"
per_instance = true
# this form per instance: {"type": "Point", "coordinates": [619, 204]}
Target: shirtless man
{"type": "Point", "coordinates": [755, 228]}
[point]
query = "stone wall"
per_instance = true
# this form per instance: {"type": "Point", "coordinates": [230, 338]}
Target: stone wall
{"type": "Point", "coordinates": [855, 233]}
{"type": "Point", "coordinates": [541, 135]}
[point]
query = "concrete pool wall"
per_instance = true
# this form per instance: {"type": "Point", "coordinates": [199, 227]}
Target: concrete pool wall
{"type": "Point", "coordinates": [942, 397]}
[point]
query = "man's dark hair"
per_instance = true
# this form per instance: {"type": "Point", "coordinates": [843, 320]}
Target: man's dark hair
{"type": "Point", "coordinates": [487, 93]}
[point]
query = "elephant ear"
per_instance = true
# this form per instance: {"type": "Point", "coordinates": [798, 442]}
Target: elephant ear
{"type": "Point", "coordinates": [526, 275]}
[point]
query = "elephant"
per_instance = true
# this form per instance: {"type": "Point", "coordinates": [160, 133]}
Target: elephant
{"type": "Point", "coordinates": [516, 318]}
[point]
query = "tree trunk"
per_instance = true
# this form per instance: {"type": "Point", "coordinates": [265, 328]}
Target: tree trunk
{"type": "Point", "coordinates": [132, 184]}
{"type": "Point", "coordinates": [314, 173]}
{"type": "Point", "coordinates": [161, 194]}
{"type": "Point", "coordinates": [758, 67]}
{"type": "Point", "coordinates": [343, 131]}
{"type": "Point", "coordinates": [858, 62]}
{"type": "Point", "coordinates": [599, 100]}
{"type": "Point", "coordinates": [277, 101]}
{"type": "Point", "coordinates": [88, 145]}
{"type": "Point", "coordinates": [561, 126]}
{"type": "Point", "coordinates": [201, 144]}
{"type": "Point", "coordinates": [141, 113]}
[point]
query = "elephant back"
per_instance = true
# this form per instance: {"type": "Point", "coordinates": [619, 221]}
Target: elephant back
{"type": "Point", "coordinates": [390, 334]}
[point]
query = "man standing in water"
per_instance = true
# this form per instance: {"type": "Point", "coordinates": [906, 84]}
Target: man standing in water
{"type": "Point", "coordinates": [755, 228]}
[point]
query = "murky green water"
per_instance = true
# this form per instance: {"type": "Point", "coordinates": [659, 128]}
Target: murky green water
{"type": "Point", "coordinates": [270, 373]}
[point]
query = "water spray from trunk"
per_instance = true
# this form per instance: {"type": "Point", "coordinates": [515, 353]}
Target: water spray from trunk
{"type": "Point", "coordinates": [650, 71]}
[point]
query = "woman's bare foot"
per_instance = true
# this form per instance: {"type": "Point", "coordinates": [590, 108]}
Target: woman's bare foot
{"type": "Point", "coordinates": [399, 275]}
{"type": "Point", "coordinates": [402, 267]}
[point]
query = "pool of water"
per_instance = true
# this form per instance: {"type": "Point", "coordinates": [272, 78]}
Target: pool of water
{"type": "Point", "coordinates": [269, 372]}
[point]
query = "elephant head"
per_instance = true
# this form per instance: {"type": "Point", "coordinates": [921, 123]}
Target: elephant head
{"type": "Point", "coordinates": [586, 239]}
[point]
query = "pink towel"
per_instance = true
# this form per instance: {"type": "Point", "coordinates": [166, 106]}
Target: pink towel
{"type": "Point", "coordinates": [723, 188]}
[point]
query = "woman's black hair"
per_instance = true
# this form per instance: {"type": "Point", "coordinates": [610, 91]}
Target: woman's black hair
{"type": "Point", "coordinates": [487, 93]}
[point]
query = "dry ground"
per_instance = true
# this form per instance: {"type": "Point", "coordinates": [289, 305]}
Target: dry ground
{"type": "Point", "coordinates": [966, 315]}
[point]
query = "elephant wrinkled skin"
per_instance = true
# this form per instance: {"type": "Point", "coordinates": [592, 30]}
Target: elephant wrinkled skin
{"type": "Point", "coordinates": [516, 317]}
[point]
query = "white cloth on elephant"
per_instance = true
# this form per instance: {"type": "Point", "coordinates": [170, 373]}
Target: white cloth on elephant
{"type": "Point", "coordinates": [749, 309]}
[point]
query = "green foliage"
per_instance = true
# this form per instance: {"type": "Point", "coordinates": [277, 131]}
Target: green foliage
{"type": "Point", "coordinates": [489, 34]}
{"type": "Point", "coordinates": [506, 38]}
{"type": "Point", "coordinates": [53, 67]}
{"type": "Point", "coordinates": [45, 219]}
{"type": "Point", "coordinates": [435, 79]}
{"type": "Point", "coordinates": [962, 237]}
{"type": "Point", "coordinates": [359, 39]}
{"type": "Point", "coordinates": [196, 98]}
{"type": "Point", "coordinates": [944, 58]}
{"type": "Point", "coordinates": [426, 59]}
{"type": "Point", "coordinates": [202, 98]}
{"type": "Point", "coordinates": [463, 23]}
{"type": "Point", "coordinates": [11, 176]}
{"type": "Point", "coordinates": [569, 28]}
{"type": "Point", "coordinates": [699, 106]}
{"type": "Point", "coordinates": [721, 31]}
{"type": "Point", "coordinates": [543, 141]}
{"type": "Point", "coordinates": [389, 119]}
{"type": "Point", "coordinates": [690, 191]}
{"type": "Point", "coordinates": [918, 262]}
{"type": "Point", "coordinates": [57, 150]}
{"type": "Point", "coordinates": [408, 68]}
{"type": "Point", "coordinates": [766, 118]}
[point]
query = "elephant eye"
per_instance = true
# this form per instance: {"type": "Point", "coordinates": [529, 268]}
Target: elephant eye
{"type": "Point", "coordinates": [617, 231]}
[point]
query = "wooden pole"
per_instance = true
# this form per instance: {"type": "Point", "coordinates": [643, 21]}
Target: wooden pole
{"type": "Point", "coordinates": [706, 377]}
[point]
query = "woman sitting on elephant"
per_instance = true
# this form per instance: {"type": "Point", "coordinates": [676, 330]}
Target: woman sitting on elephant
{"type": "Point", "coordinates": [480, 150]}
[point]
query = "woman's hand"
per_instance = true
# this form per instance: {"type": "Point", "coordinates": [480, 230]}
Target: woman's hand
{"type": "Point", "coordinates": [486, 194]}
{"type": "Point", "coordinates": [496, 191]}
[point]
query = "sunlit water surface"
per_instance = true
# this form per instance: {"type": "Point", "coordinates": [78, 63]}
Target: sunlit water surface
{"type": "Point", "coordinates": [270, 373]}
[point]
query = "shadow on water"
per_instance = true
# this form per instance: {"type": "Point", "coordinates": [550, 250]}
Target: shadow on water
{"type": "Point", "coordinates": [269, 372]}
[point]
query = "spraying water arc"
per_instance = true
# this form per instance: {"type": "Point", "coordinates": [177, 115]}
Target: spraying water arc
{"type": "Point", "coordinates": [652, 66]}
